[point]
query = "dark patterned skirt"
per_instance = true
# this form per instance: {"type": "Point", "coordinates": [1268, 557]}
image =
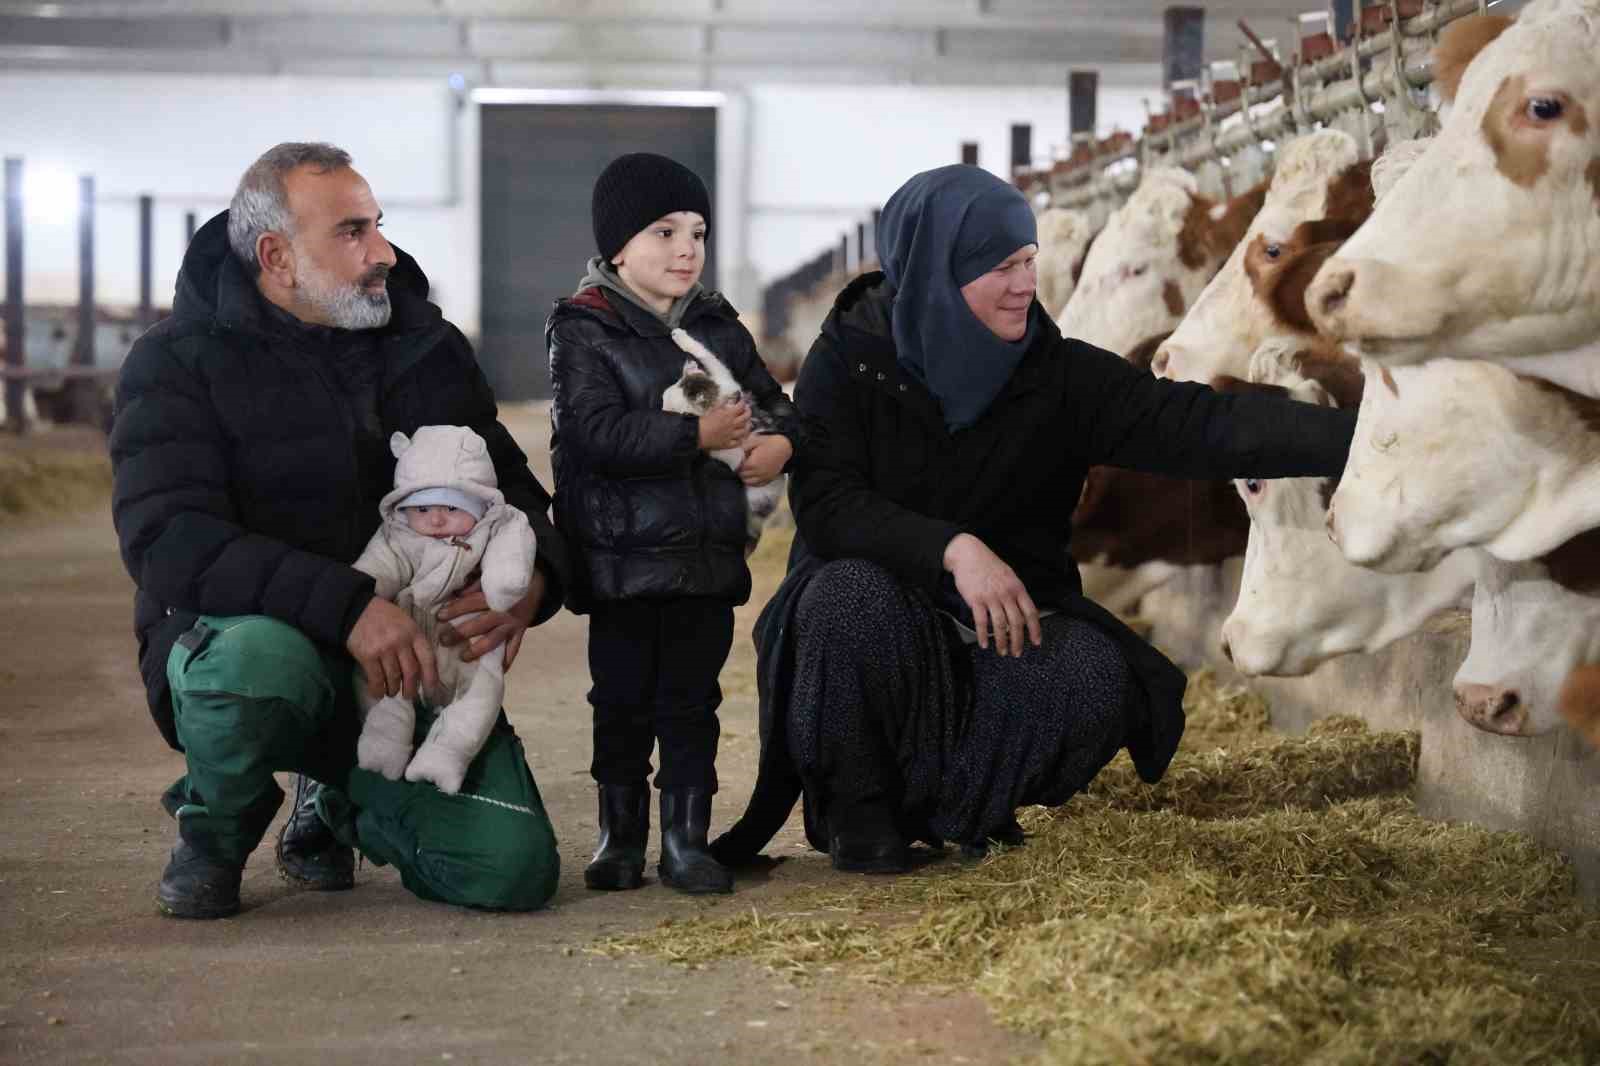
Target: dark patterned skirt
{"type": "Point", "coordinates": [889, 706]}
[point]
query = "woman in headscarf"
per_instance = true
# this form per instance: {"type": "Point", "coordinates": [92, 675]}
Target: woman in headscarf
{"type": "Point", "coordinates": [930, 664]}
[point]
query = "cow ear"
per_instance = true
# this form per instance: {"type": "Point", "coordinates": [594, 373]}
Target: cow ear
{"type": "Point", "coordinates": [398, 444]}
{"type": "Point", "coordinates": [1459, 44]}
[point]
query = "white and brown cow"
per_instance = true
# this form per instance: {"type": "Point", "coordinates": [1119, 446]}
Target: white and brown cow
{"type": "Point", "coordinates": [1300, 603]}
{"type": "Point", "coordinates": [1064, 237]}
{"type": "Point", "coordinates": [1321, 193]}
{"type": "Point", "coordinates": [1152, 259]}
{"type": "Point", "coordinates": [1533, 624]}
{"type": "Point", "coordinates": [1489, 246]}
{"type": "Point", "coordinates": [1463, 453]}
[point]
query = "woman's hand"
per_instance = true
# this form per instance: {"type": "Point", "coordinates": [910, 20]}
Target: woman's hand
{"type": "Point", "coordinates": [764, 458]}
{"type": "Point", "coordinates": [486, 630]}
{"type": "Point", "coordinates": [994, 593]}
{"type": "Point", "coordinates": [724, 426]}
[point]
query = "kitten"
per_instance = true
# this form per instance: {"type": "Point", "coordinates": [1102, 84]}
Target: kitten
{"type": "Point", "coordinates": [706, 382]}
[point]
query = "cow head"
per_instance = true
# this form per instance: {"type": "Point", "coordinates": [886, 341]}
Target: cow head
{"type": "Point", "coordinates": [1461, 453]}
{"type": "Point", "coordinates": [1533, 623]}
{"type": "Point", "coordinates": [1064, 237]}
{"type": "Point", "coordinates": [1152, 259]}
{"type": "Point", "coordinates": [1318, 177]}
{"type": "Point", "coordinates": [1299, 602]}
{"type": "Point", "coordinates": [1489, 246]}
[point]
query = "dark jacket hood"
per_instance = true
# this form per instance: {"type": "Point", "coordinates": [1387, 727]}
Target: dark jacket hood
{"type": "Point", "coordinates": [214, 286]}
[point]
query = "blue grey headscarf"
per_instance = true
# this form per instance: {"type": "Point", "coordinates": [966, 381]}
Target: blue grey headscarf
{"type": "Point", "coordinates": [939, 231]}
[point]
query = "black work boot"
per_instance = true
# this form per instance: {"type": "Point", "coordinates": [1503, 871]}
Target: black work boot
{"type": "Point", "coordinates": [197, 885]}
{"type": "Point", "coordinates": [309, 855]}
{"type": "Point", "coordinates": [864, 839]}
{"type": "Point", "coordinates": [686, 864]}
{"type": "Point", "coordinates": [624, 827]}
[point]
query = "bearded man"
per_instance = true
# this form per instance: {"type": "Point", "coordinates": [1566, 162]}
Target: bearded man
{"type": "Point", "coordinates": [251, 450]}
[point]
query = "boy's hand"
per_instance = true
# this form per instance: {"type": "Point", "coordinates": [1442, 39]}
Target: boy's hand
{"type": "Point", "coordinates": [724, 426]}
{"type": "Point", "coordinates": [764, 458]}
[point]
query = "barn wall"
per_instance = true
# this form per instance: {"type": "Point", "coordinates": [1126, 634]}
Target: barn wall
{"type": "Point", "coordinates": [798, 164]}
{"type": "Point", "coordinates": [1547, 787]}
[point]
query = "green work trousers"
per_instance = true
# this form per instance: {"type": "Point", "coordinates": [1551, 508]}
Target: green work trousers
{"type": "Point", "coordinates": [252, 695]}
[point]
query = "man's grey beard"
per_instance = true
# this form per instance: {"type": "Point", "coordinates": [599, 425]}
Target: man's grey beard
{"type": "Point", "coordinates": [342, 304]}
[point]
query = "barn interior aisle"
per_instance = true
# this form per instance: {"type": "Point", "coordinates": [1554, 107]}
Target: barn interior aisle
{"type": "Point", "coordinates": [1379, 839]}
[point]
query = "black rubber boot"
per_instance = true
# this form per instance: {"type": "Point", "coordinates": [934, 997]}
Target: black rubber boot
{"type": "Point", "coordinates": [309, 855]}
{"type": "Point", "coordinates": [1011, 835]}
{"type": "Point", "coordinates": [863, 839]}
{"type": "Point", "coordinates": [197, 885]}
{"type": "Point", "coordinates": [686, 864]}
{"type": "Point", "coordinates": [618, 863]}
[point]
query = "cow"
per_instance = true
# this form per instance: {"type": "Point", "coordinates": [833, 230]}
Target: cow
{"type": "Point", "coordinates": [1533, 624]}
{"type": "Point", "coordinates": [1458, 453]}
{"type": "Point", "coordinates": [1321, 193]}
{"type": "Point", "coordinates": [1152, 259]}
{"type": "Point", "coordinates": [1136, 531]}
{"type": "Point", "coordinates": [1489, 246]}
{"type": "Point", "coordinates": [1299, 602]}
{"type": "Point", "coordinates": [1064, 237]}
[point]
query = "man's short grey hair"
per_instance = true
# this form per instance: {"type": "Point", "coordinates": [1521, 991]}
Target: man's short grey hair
{"type": "Point", "coordinates": [261, 202]}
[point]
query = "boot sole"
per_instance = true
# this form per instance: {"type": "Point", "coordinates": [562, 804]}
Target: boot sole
{"type": "Point", "coordinates": [886, 865]}
{"type": "Point", "coordinates": [312, 884]}
{"type": "Point", "coordinates": [194, 912]}
{"type": "Point", "coordinates": [610, 883]}
{"type": "Point", "coordinates": [694, 890]}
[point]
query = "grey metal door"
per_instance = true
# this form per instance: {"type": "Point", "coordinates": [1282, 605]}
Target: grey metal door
{"type": "Point", "coordinates": [539, 166]}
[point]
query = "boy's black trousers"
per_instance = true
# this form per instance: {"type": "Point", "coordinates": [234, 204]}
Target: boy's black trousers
{"type": "Point", "coordinates": [654, 664]}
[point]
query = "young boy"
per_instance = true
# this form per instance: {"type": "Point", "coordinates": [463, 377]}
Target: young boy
{"type": "Point", "coordinates": [658, 527]}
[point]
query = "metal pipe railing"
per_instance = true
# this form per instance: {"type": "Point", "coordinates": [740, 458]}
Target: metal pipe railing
{"type": "Point", "coordinates": [1196, 140]}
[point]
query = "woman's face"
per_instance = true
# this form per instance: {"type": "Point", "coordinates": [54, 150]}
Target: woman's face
{"type": "Point", "coordinates": [1001, 297]}
{"type": "Point", "coordinates": [664, 260]}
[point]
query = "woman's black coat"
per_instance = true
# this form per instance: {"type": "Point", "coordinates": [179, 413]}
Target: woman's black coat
{"type": "Point", "coordinates": [647, 513]}
{"type": "Point", "coordinates": [883, 480]}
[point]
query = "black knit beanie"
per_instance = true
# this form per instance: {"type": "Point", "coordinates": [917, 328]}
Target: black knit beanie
{"type": "Point", "coordinates": [637, 189]}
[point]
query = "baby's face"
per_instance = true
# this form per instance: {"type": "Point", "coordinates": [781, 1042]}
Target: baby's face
{"type": "Point", "coordinates": [437, 520]}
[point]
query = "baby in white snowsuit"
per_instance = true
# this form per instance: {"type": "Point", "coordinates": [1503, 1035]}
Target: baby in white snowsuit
{"type": "Point", "coordinates": [444, 519]}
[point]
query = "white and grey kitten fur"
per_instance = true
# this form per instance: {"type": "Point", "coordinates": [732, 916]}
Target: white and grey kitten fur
{"type": "Point", "coordinates": [706, 382]}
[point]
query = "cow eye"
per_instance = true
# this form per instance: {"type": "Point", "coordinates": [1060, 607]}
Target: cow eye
{"type": "Point", "coordinates": [1253, 487]}
{"type": "Point", "coordinates": [1139, 271]}
{"type": "Point", "coordinates": [1544, 108]}
{"type": "Point", "coordinates": [1274, 250]}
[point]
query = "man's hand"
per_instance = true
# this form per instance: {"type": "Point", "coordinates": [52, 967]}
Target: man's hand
{"type": "Point", "coordinates": [486, 630]}
{"type": "Point", "coordinates": [994, 593]}
{"type": "Point", "coordinates": [764, 458]}
{"type": "Point", "coordinates": [724, 426]}
{"type": "Point", "coordinates": [392, 652]}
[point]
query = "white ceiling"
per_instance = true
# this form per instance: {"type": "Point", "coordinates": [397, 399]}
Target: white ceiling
{"type": "Point", "coordinates": [625, 43]}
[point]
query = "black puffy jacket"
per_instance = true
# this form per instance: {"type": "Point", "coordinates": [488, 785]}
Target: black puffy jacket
{"type": "Point", "coordinates": [250, 456]}
{"type": "Point", "coordinates": [647, 513]}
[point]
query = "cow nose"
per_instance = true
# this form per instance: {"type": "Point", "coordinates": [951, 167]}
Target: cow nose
{"type": "Point", "coordinates": [1493, 709]}
{"type": "Point", "coordinates": [1331, 290]}
{"type": "Point", "coordinates": [1160, 362]}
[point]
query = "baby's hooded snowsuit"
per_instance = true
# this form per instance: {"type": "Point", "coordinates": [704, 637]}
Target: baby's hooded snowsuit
{"type": "Point", "coordinates": [422, 573]}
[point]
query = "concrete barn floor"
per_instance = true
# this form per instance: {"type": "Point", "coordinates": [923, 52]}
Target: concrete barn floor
{"type": "Point", "coordinates": [89, 972]}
